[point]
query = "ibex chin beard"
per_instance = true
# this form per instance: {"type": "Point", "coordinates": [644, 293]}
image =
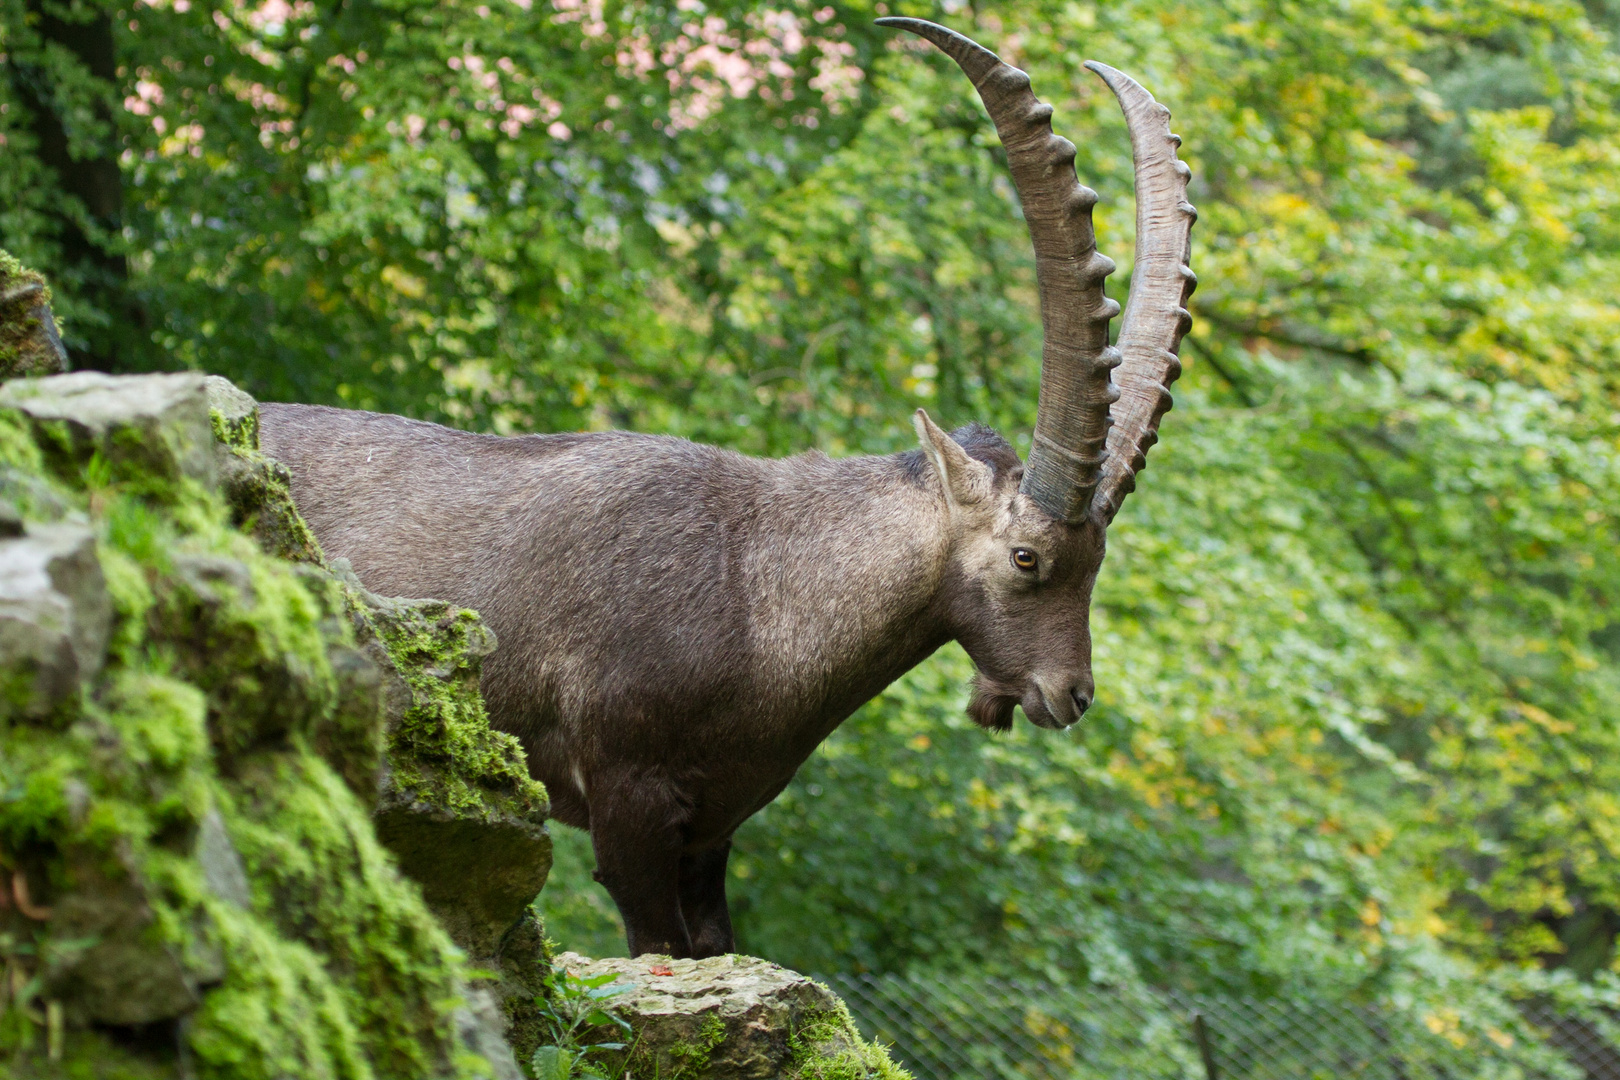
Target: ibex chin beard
{"type": "Point", "coordinates": [993, 702]}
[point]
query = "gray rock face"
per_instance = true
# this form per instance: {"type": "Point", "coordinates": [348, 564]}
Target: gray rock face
{"type": "Point", "coordinates": [151, 426]}
{"type": "Point", "coordinates": [27, 497]}
{"type": "Point", "coordinates": [479, 877]}
{"type": "Point", "coordinates": [222, 867]}
{"type": "Point", "coordinates": [481, 1024]}
{"type": "Point", "coordinates": [733, 1018]}
{"type": "Point", "coordinates": [127, 974]}
{"type": "Point", "coordinates": [234, 405]}
{"type": "Point", "coordinates": [29, 342]}
{"type": "Point", "coordinates": [54, 615]}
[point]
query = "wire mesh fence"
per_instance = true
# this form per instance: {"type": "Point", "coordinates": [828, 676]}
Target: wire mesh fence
{"type": "Point", "coordinates": [992, 1030]}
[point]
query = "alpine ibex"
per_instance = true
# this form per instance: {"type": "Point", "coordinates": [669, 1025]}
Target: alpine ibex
{"type": "Point", "coordinates": [681, 625]}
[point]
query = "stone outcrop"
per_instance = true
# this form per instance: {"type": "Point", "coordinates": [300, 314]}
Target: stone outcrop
{"type": "Point", "coordinates": [29, 343]}
{"type": "Point", "coordinates": [198, 720]}
{"type": "Point", "coordinates": [455, 803]}
{"type": "Point", "coordinates": [451, 799]}
{"type": "Point", "coordinates": [730, 1018]}
{"type": "Point", "coordinates": [54, 611]}
{"type": "Point", "coordinates": [151, 431]}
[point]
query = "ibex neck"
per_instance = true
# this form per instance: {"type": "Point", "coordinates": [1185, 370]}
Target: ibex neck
{"type": "Point", "coordinates": [843, 580]}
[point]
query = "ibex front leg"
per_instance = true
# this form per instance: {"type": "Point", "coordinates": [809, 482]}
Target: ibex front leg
{"type": "Point", "coordinates": [703, 901]}
{"type": "Point", "coordinates": [636, 825]}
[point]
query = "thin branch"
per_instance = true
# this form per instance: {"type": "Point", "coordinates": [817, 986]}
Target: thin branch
{"type": "Point", "coordinates": [1298, 335]}
{"type": "Point", "coordinates": [1208, 356]}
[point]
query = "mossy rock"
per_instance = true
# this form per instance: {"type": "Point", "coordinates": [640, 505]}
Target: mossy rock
{"type": "Point", "coordinates": [731, 1018]}
{"type": "Point", "coordinates": [453, 800]}
{"type": "Point", "coordinates": [149, 434]}
{"type": "Point", "coordinates": [456, 804]}
{"type": "Point", "coordinates": [258, 488]}
{"type": "Point", "coordinates": [191, 737]}
{"type": "Point", "coordinates": [29, 342]}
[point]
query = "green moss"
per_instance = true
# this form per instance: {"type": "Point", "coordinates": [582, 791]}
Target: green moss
{"type": "Point", "coordinates": [690, 1058]}
{"type": "Point", "coordinates": [367, 950]}
{"type": "Point", "coordinates": [278, 1014]}
{"type": "Point", "coordinates": [829, 1047]}
{"type": "Point", "coordinates": [17, 447]}
{"type": "Point", "coordinates": [13, 272]}
{"type": "Point", "coordinates": [236, 429]}
{"type": "Point", "coordinates": [442, 750]}
{"type": "Point", "coordinates": [259, 490]}
{"type": "Point", "coordinates": [248, 632]}
{"type": "Point", "coordinates": [233, 692]}
{"type": "Point", "coordinates": [28, 340]}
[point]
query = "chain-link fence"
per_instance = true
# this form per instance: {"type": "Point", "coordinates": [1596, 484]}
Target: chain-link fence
{"type": "Point", "coordinates": [991, 1030]}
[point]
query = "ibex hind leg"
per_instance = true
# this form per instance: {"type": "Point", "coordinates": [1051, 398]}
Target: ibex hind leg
{"type": "Point", "coordinates": [636, 834]}
{"type": "Point", "coordinates": [703, 901]}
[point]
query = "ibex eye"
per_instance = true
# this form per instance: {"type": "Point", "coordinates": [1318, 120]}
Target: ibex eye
{"type": "Point", "coordinates": [1023, 558]}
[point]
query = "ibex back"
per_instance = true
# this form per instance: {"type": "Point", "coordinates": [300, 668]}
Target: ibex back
{"type": "Point", "coordinates": [679, 626]}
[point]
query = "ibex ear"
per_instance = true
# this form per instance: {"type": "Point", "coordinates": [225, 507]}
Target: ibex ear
{"type": "Point", "coordinates": [965, 480]}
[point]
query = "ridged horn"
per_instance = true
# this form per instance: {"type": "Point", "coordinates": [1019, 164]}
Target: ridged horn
{"type": "Point", "coordinates": [1156, 315]}
{"type": "Point", "coordinates": [1072, 416]}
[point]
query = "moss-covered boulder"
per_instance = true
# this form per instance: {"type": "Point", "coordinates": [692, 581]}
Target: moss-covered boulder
{"type": "Point", "coordinates": [192, 732]}
{"type": "Point", "coordinates": [144, 434]}
{"type": "Point", "coordinates": [451, 798]}
{"type": "Point", "coordinates": [474, 836]}
{"type": "Point", "coordinates": [257, 488]}
{"type": "Point", "coordinates": [730, 1018]}
{"type": "Point", "coordinates": [29, 343]}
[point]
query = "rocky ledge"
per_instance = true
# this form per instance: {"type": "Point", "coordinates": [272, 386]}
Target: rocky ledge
{"type": "Point", "coordinates": [197, 736]}
{"type": "Point", "coordinates": [727, 1018]}
{"type": "Point", "coordinates": [253, 819]}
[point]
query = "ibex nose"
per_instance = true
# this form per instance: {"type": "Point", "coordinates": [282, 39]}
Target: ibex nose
{"type": "Point", "coordinates": [1081, 702]}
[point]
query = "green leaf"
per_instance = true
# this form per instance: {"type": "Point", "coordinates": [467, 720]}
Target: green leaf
{"type": "Point", "coordinates": [553, 1063]}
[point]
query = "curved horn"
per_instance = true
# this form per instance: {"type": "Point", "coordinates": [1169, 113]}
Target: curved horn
{"type": "Point", "coordinates": [1071, 425]}
{"type": "Point", "coordinates": [1156, 313]}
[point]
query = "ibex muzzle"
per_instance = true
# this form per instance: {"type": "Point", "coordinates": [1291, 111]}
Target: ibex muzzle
{"type": "Point", "coordinates": [680, 625]}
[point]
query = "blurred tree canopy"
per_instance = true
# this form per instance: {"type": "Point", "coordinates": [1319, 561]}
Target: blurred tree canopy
{"type": "Point", "coordinates": [1357, 650]}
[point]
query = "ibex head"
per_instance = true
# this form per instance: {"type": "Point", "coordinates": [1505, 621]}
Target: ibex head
{"type": "Point", "coordinates": [1027, 541]}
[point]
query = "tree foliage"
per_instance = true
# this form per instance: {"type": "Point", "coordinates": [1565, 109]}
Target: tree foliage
{"type": "Point", "coordinates": [1356, 647]}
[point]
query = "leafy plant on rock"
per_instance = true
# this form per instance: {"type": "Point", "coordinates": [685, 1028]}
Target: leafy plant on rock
{"type": "Point", "coordinates": [574, 1008]}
